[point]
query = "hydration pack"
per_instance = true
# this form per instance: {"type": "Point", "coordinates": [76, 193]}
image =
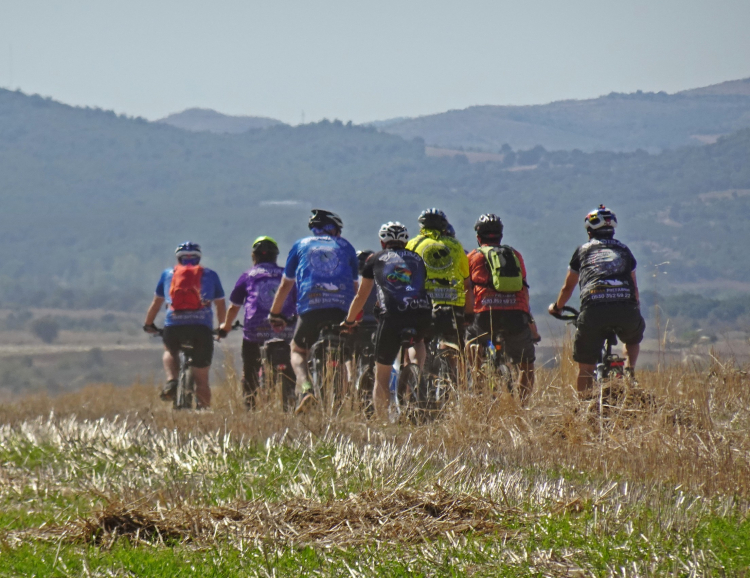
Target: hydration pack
{"type": "Point", "coordinates": [185, 290]}
{"type": "Point", "coordinates": [504, 267]}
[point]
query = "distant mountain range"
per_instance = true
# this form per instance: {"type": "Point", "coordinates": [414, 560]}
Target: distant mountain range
{"type": "Point", "coordinates": [616, 122]}
{"type": "Point", "coordinates": [95, 202]}
{"type": "Point", "coordinates": [205, 119]}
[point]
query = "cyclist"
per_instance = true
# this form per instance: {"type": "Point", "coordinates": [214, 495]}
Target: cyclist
{"type": "Point", "coordinates": [447, 274]}
{"type": "Point", "coordinates": [324, 268]}
{"type": "Point", "coordinates": [188, 289]}
{"type": "Point", "coordinates": [604, 269]}
{"type": "Point", "coordinates": [399, 275]}
{"type": "Point", "coordinates": [255, 290]}
{"type": "Point", "coordinates": [501, 298]}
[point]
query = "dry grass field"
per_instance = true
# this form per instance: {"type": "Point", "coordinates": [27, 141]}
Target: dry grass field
{"type": "Point", "coordinates": [110, 481]}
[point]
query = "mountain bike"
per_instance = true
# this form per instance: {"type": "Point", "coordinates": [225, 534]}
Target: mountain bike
{"type": "Point", "coordinates": [184, 396]}
{"type": "Point", "coordinates": [327, 365]}
{"type": "Point", "coordinates": [610, 365]}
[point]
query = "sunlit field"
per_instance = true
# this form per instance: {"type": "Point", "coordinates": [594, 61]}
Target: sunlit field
{"type": "Point", "coordinates": [112, 482]}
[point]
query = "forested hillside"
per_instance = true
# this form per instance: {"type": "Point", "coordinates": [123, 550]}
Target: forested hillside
{"type": "Point", "coordinates": [616, 122]}
{"type": "Point", "coordinates": [94, 203]}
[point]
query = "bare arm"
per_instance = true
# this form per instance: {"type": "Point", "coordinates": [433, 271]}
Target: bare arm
{"type": "Point", "coordinates": [363, 292]}
{"type": "Point", "coordinates": [281, 294]}
{"type": "Point", "coordinates": [221, 310]}
{"type": "Point", "coordinates": [571, 280]}
{"type": "Point", "coordinates": [153, 310]}
{"type": "Point", "coordinates": [230, 316]}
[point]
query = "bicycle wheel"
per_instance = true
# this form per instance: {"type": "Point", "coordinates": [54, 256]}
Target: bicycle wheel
{"type": "Point", "coordinates": [365, 385]}
{"type": "Point", "coordinates": [410, 391]}
{"type": "Point", "coordinates": [441, 381]}
{"type": "Point", "coordinates": [183, 398]}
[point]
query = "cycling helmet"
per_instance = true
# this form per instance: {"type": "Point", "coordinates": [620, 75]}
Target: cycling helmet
{"type": "Point", "coordinates": [188, 250]}
{"type": "Point", "coordinates": [433, 219]}
{"type": "Point", "coordinates": [320, 218]}
{"type": "Point", "coordinates": [601, 220]}
{"type": "Point", "coordinates": [266, 247]}
{"type": "Point", "coordinates": [362, 257]}
{"type": "Point", "coordinates": [450, 231]}
{"type": "Point", "coordinates": [489, 225]}
{"type": "Point", "coordinates": [393, 231]}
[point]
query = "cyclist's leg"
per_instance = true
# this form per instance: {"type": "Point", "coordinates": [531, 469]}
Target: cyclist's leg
{"type": "Point", "coordinates": [422, 323]}
{"type": "Point", "coordinates": [588, 343]}
{"type": "Point", "coordinates": [519, 347]}
{"type": "Point", "coordinates": [203, 351]}
{"type": "Point", "coordinates": [387, 344]}
{"type": "Point", "coordinates": [631, 328]}
{"type": "Point", "coordinates": [250, 367]}
{"type": "Point", "coordinates": [305, 335]}
{"type": "Point", "coordinates": [171, 361]}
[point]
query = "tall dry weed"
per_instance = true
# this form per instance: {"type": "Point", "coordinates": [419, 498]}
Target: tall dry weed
{"type": "Point", "coordinates": [684, 425]}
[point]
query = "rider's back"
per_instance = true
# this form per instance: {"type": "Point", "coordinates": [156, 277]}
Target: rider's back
{"type": "Point", "coordinates": [605, 268]}
{"type": "Point", "coordinates": [400, 277]}
{"type": "Point", "coordinates": [255, 290]}
{"type": "Point", "coordinates": [486, 297]}
{"type": "Point", "coordinates": [325, 269]}
{"type": "Point", "coordinates": [446, 264]}
{"type": "Point", "coordinates": [210, 289]}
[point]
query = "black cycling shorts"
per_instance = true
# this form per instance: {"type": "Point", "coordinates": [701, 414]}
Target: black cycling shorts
{"type": "Point", "coordinates": [388, 335]}
{"type": "Point", "coordinates": [447, 324]}
{"type": "Point", "coordinates": [310, 323]}
{"type": "Point", "coordinates": [596, 321]}
{"type": "Point", "coordinates": [200, 336]}
{"type": "Point", "coordinates": [514, 328]}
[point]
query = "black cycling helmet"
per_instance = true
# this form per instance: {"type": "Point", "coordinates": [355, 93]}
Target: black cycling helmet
{"type": "Point", "coordinates": [489, 225]}
{"type": "Point", "coordinates": [433, 219]}
{"type": "Point", "coordinates": [320, 218]}
{"type": "Point", "coordinates": [265, 248]}
{"type": "Point", "coordinates": [362, 257]}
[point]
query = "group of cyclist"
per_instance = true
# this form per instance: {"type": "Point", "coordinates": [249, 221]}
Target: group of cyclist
{"type": "Point", "coordinates": [427, 284]}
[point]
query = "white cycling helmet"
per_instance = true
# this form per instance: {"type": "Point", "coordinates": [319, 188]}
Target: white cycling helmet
{"type": "Point", "coordinates": [601, 219]}
{"type": "Point", "coordinates": [393, 231]}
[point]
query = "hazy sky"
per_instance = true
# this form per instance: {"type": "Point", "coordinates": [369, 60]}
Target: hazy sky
{"type": "Point", "coordinates": [363, 61]}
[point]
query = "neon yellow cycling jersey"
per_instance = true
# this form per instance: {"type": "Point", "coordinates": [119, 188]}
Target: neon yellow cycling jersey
{"type": "Point", "coordinates": [447, 266]}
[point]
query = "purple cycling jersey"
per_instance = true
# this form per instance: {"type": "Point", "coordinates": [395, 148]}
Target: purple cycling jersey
{"type": "Point", "coordinates": [255, 290]}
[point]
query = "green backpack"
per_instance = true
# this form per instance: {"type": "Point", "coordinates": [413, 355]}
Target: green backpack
{"type": "Point", "coordinates": [504, 267]}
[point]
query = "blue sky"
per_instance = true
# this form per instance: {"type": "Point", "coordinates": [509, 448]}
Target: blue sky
{"type": "Point", "coordinates": [363, 61]}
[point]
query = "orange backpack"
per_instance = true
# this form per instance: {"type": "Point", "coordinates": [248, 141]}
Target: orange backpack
{"type": "Point", "coordinates": [185, 290]}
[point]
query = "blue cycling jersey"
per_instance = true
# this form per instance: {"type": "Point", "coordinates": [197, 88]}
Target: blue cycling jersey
{"type": "Point", "coordinates": [211, 289]}
{"type": "Point", "coordinates": [325, 269]}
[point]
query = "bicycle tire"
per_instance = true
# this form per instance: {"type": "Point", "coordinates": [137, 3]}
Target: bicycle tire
{"type": "Point", "coordinates": [365, 386]}
{"type": "Point", "coordinates": [185, 393]}
{"type": "Point", "coordinates": [327, 376]}
{"type": "Point", "coordinates": [410, 391]}
{"type": "Point", "coordinates": [440, 381]}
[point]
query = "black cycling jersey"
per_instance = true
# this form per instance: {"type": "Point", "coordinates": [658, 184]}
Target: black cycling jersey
{"type": "Point", "coordinates": [605, 267]}
{"type": "Point", "coordinates": [400, 276]}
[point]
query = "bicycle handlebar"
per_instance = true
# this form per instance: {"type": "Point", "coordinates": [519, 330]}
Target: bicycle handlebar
{"type": "Point", "coordinates": [567, 314]}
